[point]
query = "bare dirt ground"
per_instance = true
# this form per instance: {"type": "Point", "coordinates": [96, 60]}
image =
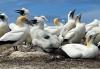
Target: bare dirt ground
{"type": "Point", "coordinates": [44, 62]}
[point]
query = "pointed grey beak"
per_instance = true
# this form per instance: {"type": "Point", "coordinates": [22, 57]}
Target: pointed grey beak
{"type": "Point", "coordinates": [78, 18]}
{"type": "Point", "coordinates": [29, 22]}
{"type": "Point", "coordinates": [21, 12]}
{"type": "Point", "coordinates": [18, 11]}
{"type": "Point", "coordinates": [34, 21]}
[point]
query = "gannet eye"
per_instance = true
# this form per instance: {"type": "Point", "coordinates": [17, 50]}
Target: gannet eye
{"type": "Point", "coordinates": [47, 37]}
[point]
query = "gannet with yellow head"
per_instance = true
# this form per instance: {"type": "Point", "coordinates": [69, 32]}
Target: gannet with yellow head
{"type": "Point", "coordinates": [57, 22]}
{"type": "Point", "coordinates": [17, 36]}
{"type": "Point", "coordinates": [22, 12]}
{"type": "Point", "coordinates": [90, 50]}
{"type": "Point", "coordinates": [55, 29]}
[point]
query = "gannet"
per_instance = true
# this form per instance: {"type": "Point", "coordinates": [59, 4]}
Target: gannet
{"type": "Point", "coordinates": [76, 34]}
{"type": "Point", "coordinates": [4, 28]}
{"type": "Point", "coordinates": [43, 39]}
{"type": "Point", "coordinates": [55, 29]}
{"type": "Point", "coordinates": [23, 12]}
{"type": "Point", "coordinates": [90, 50]}
{"type": "Point", "coordinates": [17, 36]}
{"type": "Point", "coordinates": [69, 25]}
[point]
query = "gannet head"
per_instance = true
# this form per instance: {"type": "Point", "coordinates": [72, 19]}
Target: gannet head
{"type": "Point", "coordinates": [3, 16]}
{"type": "Point", "coordinates": [39, 21]}
{"type": "Point", "coordinates": [44, 18]}
{"type": "Point", "coordinates": [56, 21]}
{"type": "Point", "coordinates": [71, 14]}
{"type": "Point", "coordinates": [78, 19]}
{"type": "Point", "coordinates": [71, 17]}
{"type": "Point", "coordinates": [91, 38]}
{"type": "Point", "coordinates": [23, 11]}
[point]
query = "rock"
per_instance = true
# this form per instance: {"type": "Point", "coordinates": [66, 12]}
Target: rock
{"type": "Point", "coordinates": [27, 55]}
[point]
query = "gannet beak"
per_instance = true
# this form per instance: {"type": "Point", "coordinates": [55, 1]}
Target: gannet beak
{"type": "Point", "coordinates": [18, 11]}
{"type": "Point", "coordinates": [78, 18]}
{"type": "Point", "coordinates": [34, 21]}
{"type": "Point", "coordinates": [72, 13]}
{"type": "Point", "coordinates": [29, 22]}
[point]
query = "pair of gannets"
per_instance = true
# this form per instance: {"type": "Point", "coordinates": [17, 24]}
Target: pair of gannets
{"type": "Point", "coordinates": [68, 26]}
{"type": "Point", "coordinates": [76, 34]}
{"type": "Point", "coordinates": [90, 50]}
{"type": "Point", "coordinates": [55, 30]}
{"type": "Point", "coordinates": [18, 34]}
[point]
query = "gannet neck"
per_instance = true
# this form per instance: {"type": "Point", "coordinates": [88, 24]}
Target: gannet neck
{"type": "Point", "coordinates": [78, 23]}
{"type": "Point", "coordinates": [89, 42]}
{"type": "Point", "coordinates": [71, 14]}
{"type": "Point", "coordinates": [21, 21]}
{"type": "Point", "coordinates": [3, 21]}
{"type": "Point", "coordinates": [3, 17]}
{"type": "Point", "coordinates": [78, 19]}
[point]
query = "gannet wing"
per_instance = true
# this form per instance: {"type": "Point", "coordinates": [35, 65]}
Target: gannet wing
{"type": "Point", "coordinates": [12, 36]}
{"type": "Point", "coordinates": [70, 34]}
{"type": "Point", "coordinates": [13, 26]}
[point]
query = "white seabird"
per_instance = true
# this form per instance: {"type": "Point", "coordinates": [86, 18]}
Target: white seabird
{"type": "Point", "coordinates": [68, 26]}
{"type": "Point", "coordinates": [42, 38]}
{"type": "Point", "coordinates": [17, 36]}
{"type": "Point", "coordinates": [4, 28]}
{"type": "Point", "coordinates": [82, 51]}
{"type": "Point", "coordinates": [76, 34]}
{"type": "Point", "coordinates": [55, 30]}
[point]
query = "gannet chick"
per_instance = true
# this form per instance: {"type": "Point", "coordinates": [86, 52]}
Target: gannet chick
{"type": "Point", "coordinates": [43, 39]}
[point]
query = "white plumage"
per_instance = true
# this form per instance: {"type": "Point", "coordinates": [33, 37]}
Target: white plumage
{"type": "Point", "coordinates": [76, 34]}
{"type": "Point", "coordinates": [81, 51]}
